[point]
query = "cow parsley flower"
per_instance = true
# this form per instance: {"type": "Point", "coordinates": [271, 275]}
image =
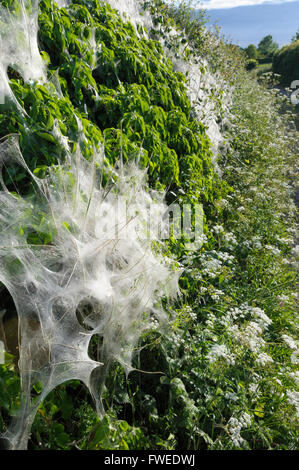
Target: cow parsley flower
{"type": "Point", "coordinates": [295, 376]}
{"type": "Point", "coordinates": [273, 249]}
{"type": "Point", "coordinates": [257, 243]}
{"type": "Point", "coordinates": [220, 351]}
{"type": "Point", "coordinates": [218, 229]}
{"type": "Point", "coordinates": [231, 396]}
{"type": "Point", "coordinates": [263, 359]}
{"type": "Point", "coordinates": [289, 342]}
{"type": "Point", "coordinates": [230, 238]}
{"type": "Point", "coordinates": [295, 357]}
{"type": "Point", "coordinates": [283, 298]}
{"type": "Point", "coordinates": [235, 427]}
{"type": "Point", "coordinates": [262, 319]}
{"type": "Point", "coordinates": [293, 399]}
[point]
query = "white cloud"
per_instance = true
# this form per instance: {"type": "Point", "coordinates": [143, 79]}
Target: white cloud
{"type": "Point", "coordinates": [215, 4]}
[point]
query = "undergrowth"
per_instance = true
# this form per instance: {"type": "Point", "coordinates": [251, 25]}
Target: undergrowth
{"type": "Point", "coordinates": [224, 375]}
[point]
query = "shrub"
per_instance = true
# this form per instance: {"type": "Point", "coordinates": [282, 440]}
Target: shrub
{"type": "Point", "coordinates": [286, 63]}
{"type": "Point", "coordinates": [251, 64]}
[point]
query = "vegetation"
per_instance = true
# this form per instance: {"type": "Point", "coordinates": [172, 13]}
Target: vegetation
{"type": "Point", "coordinates": [286, 63]}
{"type": "Point", "coordinates": [252, 52]}
{"type": "Point", "coordinates": [251, 64]}
{"type": "Point", "coordinates": [223, 373]}
{"type": "Point", "coordinates": [261, 57]}
{"type": "Point", "coordinates": [267, 57]}
{"type": "Point", "coordinates": [267, 46]}
{"type": "Point", "coordinates": [296, 37]}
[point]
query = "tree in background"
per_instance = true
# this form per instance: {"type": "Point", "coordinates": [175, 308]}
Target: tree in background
{"type": "Point", "coordinates": [251, 51]}
{"type": "Point", "coordinates": [286, 63]}
{"type": "Point", "coordinates": [296, 37]}
{"type": "Point", "coordinates": [267, 46]}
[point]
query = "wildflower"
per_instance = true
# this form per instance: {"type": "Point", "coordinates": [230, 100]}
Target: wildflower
{"type": "Point", "coordinates": [224, 203]}
{"type": "Point", "coordinates": [295, 376]}
{"type": "Point", "coordinates": [263, 359]}
{"type": "Point", "coordinates": [218, 229]}
{"type": "Point", "coordinates": [262, 319]}
{"type": "Point", "coordinates": [216, 294]}
{"type": "Point", "coordinates": [283, 298]}
{"type": "Point", "coordinates": [257, 243]}
{"type": "Point", "coordinates": [289, 342]}
{"type": "Point", "coordinates": [295, 251]}
{"type": "Point", "coordinates": [235, 427]}
{"type": "Point", "coordinates": [220, 351]}
{"type": "Point", "coordinates": [293, 399]}
{"type": "Point", "coordinates": [295, 357]}
{"type": "Point", "coordinates": [250, 336]}
{"type": "Point", "coordinates": [253, 387]}
{"type": "Point", "coordinates": [286, 241]}
{"type": "Point", "coordinates": [274, 251]}
{"type": "Point", "coordinates": [230, 238]}
{"type": "Point", "coordinates": [225, 257]}
{"type": "Point", "coordinates": [211, 267]}
{"type": "Point", "coordinates": [231, 396]}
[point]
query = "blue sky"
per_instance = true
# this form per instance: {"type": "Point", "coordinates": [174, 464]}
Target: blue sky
{"type": "Point", "coordinates": [248, 24]}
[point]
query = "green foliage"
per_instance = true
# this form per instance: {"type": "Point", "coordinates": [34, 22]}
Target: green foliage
{"type": "Point", "coordinates": [286, 63]}
{"type": "Point", "coordinates": [267, 46]}
{"type": "Point", "coordinates": [120, 87]}
{"type": "Point", "coordinates": [251, 64]}
{"type": "Point", "coordinates": [9, 391]}
{"type": "Point", "coordinates": [296, 37]}
{"type": "Point", "coordinates": [251, 52]}
{"type": "Point", "coordinates": [125, 93]}
{"type": "Point", "coordinates": [121, 91]}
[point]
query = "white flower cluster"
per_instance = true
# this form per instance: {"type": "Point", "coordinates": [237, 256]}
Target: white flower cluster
{"type": "Point", "coordinates": [261, 318]}
{"type": "Point", "coordinates": [295, 376]}
{"type": "Point", "coordinates": [225, 257]}
{"type": "Point", "coordinates": [187, 312]}
{"type": "Point", "coordinates": [230, 238]}
{"type": "Point", "coordinates": [295, 251]}
{"type": "Point", "coordinates": [285, 241]}
{"type": "Point", "coordinates": [235, 427]}
{"type": "Point", "coordinates": [273, 249]}
{"type": "Point", "coordinates": [289, 342]}
{"type": "Point", "coordinates": [293, 399]}
{"type": "Point", "coordinates": [216, 294]}
{"type": "Point", "coordinates": [220, 351]}
{"type": "Point", "coordinates": [224, 203]}
{"type": "Point", "coordinates": [231, 396]}
{"type": "Point", "coordinates": [246, 310]}
{"type": "Point", "coordinates": [263, 359]}
{"type": "Point", "coordinates": [253, 388]}
{"type": "Point", "coordinates": [256, 243]}
{"type": "Point", "coordinates": [283, 298]}
{"type": "Point", "coordinates": [250, 336]}
{"type": "Point", "coordinates": [218, 229]}
{"type": "Point", "coordinates": [212, 267]}
{"type": "Point", "coordinates": [250, 333]}
{"type": "Point", "coordinates": [212, 263]}
{"type": "Point", "coordinates": [211, 319]}
{"type": "Point", "coordinates": [295, 357]}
